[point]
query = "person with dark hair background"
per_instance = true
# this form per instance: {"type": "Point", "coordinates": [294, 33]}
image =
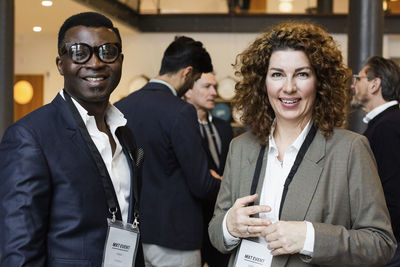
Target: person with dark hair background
{"type": "Point", "coordinates": [317, 197]}
{"type": "Point", "coordinates": [70, 170]}
{"type": "Point", "coordinates": [176, 175]}
{"type": "Point", "coordinates": [376, 89]}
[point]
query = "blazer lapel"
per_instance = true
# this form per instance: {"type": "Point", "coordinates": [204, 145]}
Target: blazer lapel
{"type": "Point", "coordinates": [252, 152]}
{"type": "Point", "coordinates": [69, 123]}
{"type": "Point", "coordinates": [304, 183]}
{"type": "Point", "coordinates": [302, 188]}
{"type": "Point", "coordinates": [262, 176]}
{"type": "Point", "coordinates": [74, 133]}
{"type": "Point", "coordinates": [72, 129]}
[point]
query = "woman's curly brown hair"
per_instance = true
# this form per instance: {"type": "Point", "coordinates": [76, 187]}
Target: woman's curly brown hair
{"type": "Point", "coordinates": [332, 98]}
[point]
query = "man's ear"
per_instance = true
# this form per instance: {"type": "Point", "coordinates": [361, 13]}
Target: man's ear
{"type": "Point", "coordinates": [376, 85]}
{"type": "Point", "coordinates": [187, 71]}
{"type": "Point", "coordinates": [59, 65]}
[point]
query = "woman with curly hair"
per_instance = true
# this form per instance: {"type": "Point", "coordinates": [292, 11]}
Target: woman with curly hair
{"type": "Point", "coordinates": [298, 190]}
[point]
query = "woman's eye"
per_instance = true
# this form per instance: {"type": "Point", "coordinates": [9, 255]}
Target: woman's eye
{"type": "Point", "coordinates": [276, 75]}
{"type": "Point", "coordinates": [303, 74]}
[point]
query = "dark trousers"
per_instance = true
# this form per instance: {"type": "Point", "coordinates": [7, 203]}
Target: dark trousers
{"type": "Point", "coordinates": [395, 261]}
{"type": "Point", "coordinates": [209, 254]}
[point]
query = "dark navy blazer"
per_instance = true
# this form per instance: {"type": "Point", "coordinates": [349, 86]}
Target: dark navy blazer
{"type": "Point", "coordinates": [176, 175]}
{"type": "Point", "coordinates": [53, 207]}
{"type": "Point", "coordinates": [383, 133]}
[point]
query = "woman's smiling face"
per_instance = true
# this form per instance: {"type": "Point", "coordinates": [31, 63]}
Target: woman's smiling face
{"type": "Point", "coordinates": [291, 86]}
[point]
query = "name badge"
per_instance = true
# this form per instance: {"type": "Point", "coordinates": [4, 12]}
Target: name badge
{"type": "Point", "coordinates": [252, 254]}
{"type": "Point", "coordinates": [121, 244]}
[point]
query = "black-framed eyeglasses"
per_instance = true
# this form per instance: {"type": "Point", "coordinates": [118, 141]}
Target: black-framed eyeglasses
{"type": "Point", "coordinates": [355, 78]}
{"type": "Point", "coordinates": [80, 53]}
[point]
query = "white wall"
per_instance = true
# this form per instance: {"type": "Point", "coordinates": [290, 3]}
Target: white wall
{"type": "Point", "coordinates": [179, 6]}
{"type": "Point", "coordinates": [143, 53]}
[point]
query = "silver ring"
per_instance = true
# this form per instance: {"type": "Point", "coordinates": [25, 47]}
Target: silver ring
{"type": "Point", "coordinates": [247, 230]}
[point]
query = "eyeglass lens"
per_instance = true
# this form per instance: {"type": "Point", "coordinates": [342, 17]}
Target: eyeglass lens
{"type": "Point", "coordinates": [81, 53]}
{"type": "Point", "coordinates": [355, 78]}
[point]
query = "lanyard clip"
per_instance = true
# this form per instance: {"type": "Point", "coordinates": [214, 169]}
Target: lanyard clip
{"type": "Point", "coordinates": [113, 212]}
{"type": "Point", "coordinates": [135, 223]}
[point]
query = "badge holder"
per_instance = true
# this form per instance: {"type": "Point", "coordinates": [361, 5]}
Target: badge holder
{"type": "Point", "coordinates": [251, 254]}
{"type": "Point", "coordinates": [121, 243]}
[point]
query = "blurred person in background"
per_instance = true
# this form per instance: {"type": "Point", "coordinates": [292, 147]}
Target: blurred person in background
{"type": "Point", "coordinates": [376, 89]}
{"type": "Point", "coordinates": [176, 175]}
{"type": "Point", "coordinates": [216, 134]}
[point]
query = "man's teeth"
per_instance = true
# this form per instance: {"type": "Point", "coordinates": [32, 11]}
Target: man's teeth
{"type": "Point", "coordinates": [290, 101]}
{"type": "Point", "coordinates": [94, 78]}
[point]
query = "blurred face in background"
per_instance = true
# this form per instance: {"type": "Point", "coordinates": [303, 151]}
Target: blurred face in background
{"type": "Point", "coordinates": [203, 93]}
{"type": "Point", "coordinates": [359, 86]}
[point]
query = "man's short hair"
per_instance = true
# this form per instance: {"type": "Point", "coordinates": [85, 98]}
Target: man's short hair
{"type": "Point", "coordinates": [389, 73]}
{"type": "Point", "coordinates": [87, 19]}
{"type": "Point", "coordinates": [184, 52]}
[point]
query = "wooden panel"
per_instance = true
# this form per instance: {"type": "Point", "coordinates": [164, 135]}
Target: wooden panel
{"type": "Point", "coordinates": [394, 7]}
{"type": "Point", "coordinates": [258, 6]}
{"type": "Point", "coordinates": [37, 99]}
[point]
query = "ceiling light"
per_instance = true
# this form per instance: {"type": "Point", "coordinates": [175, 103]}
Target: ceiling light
{"type": "Point", "coordinates": [285, 7]}
{"type": "Point", "coordinates": [23, 92]}
{"type": "Point", "coordinates": [47, 3]}
{"type": "Point", "coordinates": [37, 29]}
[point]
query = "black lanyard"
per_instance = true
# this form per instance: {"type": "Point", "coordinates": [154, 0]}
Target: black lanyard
{"type": "Point", "coordinates": [111, 197]}
{"type": "Point", "coordinates": [299, 158]}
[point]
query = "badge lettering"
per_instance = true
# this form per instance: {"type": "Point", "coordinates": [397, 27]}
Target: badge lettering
{"type": "Point", "coordinates": [254, 259]}
{"type": "Point", "coordinates": [120, 246]}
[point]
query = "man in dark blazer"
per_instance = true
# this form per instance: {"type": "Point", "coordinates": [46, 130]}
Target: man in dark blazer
{"type": "Point", "coordinates": [216, 134]}
{"type": "Point", "coordinates": [55, 199]}
{"type": "Point", "coordinates": [176, 176]}
{"type": "Point", "coordinates": [377, 91]}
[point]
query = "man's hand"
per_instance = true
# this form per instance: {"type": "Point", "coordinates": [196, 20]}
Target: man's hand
{"type": "Point", "coordinates": [215, 174]}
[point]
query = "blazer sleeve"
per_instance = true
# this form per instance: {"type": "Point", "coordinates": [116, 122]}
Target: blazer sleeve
{"type": "Point", "coordinates": [25, 194]}
{"type": "Point", "coordinates": [186, 142]}
{"type": "Point", "coordinates": [370, 238]}
{"type": "Point", "coordinates": [222, 205]}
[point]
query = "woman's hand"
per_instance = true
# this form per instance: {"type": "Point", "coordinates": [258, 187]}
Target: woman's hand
{"type": "Point", "coordinates": [285, 237]}
{"type": "Point", "coordinates": [239, 222]}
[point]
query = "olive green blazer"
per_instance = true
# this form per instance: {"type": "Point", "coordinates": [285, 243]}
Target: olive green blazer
{"type": "Point", "coordinates": [336, 188]}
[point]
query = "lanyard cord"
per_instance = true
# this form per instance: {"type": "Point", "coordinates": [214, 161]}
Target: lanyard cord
{"type": "Point", "coordinates": [112, 200]}
{"type": "Point", "coordinates": [299, 158]}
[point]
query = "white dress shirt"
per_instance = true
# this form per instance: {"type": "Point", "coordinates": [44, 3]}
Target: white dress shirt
{"type": "Point", "coordinates": [376, 111]}
{"type": "Point", "coordinates": [215, 148]}
{"type": "Point", "coordinates": [117, 164]}
{"type": "Point", "coordinates": [173, 90]}
{"type": "Point", "coordinates": [271, 193]}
